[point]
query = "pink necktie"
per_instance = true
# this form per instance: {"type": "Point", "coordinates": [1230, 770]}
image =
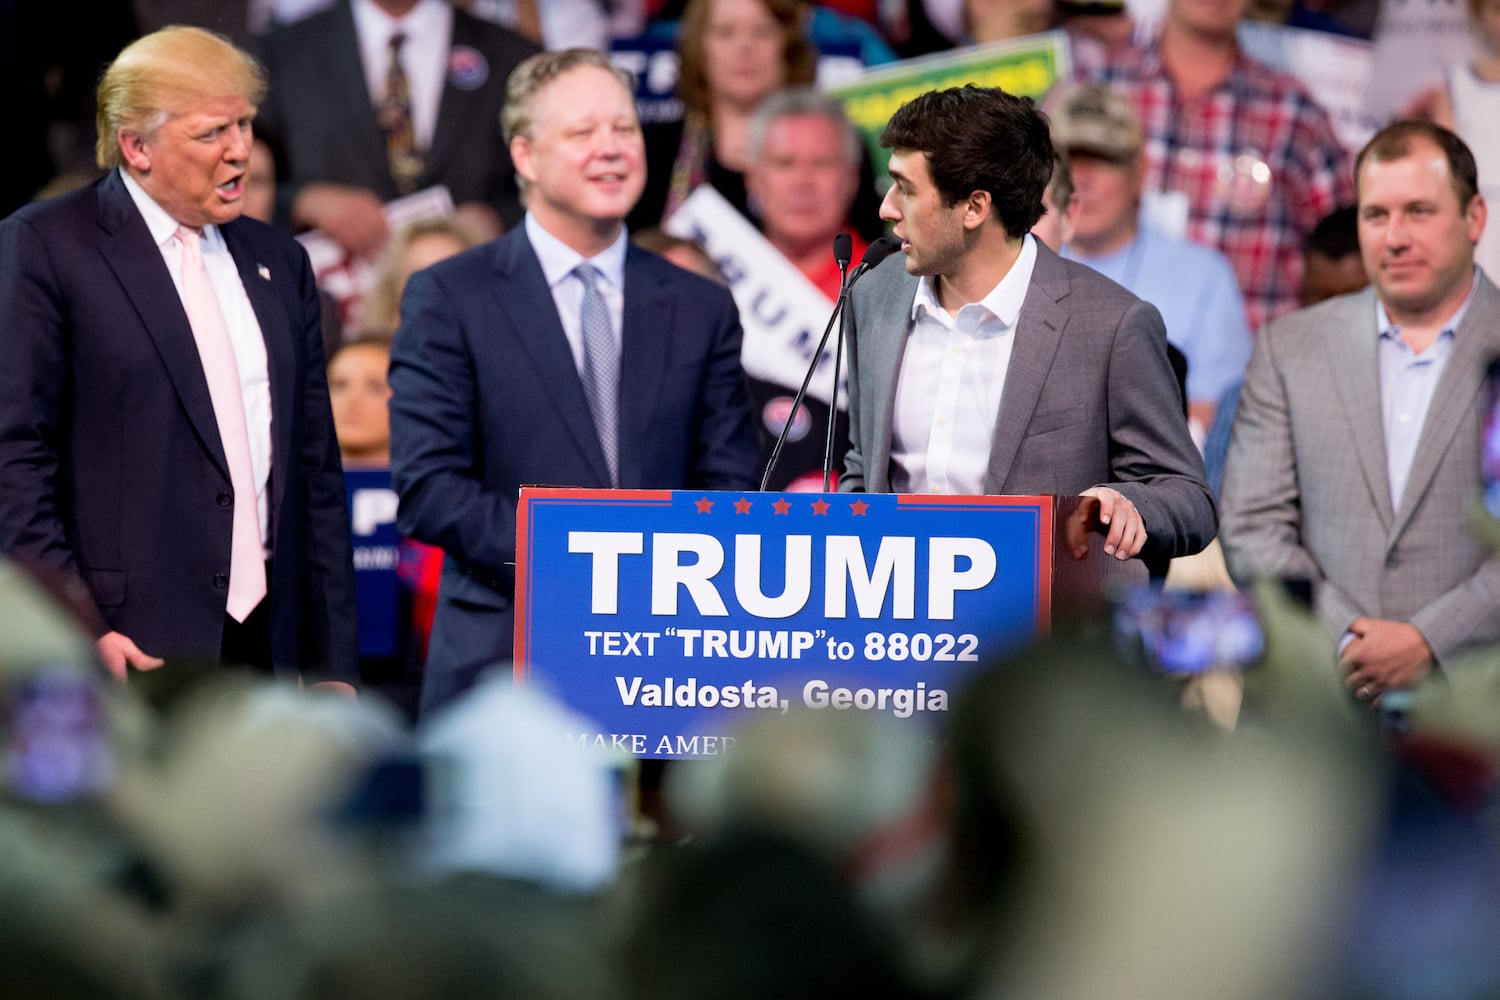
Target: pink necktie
{"type": "Point", "coordinates": [247, 567]}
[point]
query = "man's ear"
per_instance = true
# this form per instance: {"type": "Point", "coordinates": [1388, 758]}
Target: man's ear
{"type": "Point", "coordinates": [520, 157]}
{"type": "Point", "coordinates": [1476, 216]}
{"type": "Point", "coordinates": [977, 209]}
{"type": "Point", "coordinates": [134, 148]}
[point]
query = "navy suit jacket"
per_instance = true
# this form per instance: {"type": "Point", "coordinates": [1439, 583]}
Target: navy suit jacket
{"type": "Point", "coordinates": [319, 118]}
{"type": "Point", "coordinates": [486, 399]}
{"type": "Point", "coordinates": [111, 465]}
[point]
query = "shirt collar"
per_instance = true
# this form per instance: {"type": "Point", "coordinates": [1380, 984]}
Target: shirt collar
{"type": "Point", "coordinates": [559, 260]}
{"type": "Point", "coordinates": [1003, 301]}
{"type": "Point", "coordinates": [1387, 330]}
{"type": "Point", "coordinates": [426, 18]}
{"type": "Point", "coordinates": [161, 225]}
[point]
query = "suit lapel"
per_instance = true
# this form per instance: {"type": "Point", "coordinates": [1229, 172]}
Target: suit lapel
{"type": "Point", "coordinates": [891, 326]}
{"type": "Point", "coordinates": [1474, 345]}
{"type": "Point", "coordinates": [645, 350]}
{"type": "Point", "coordinates": [1353, 369]}
{"type": "Point", "coordinates": [267, 290]}
{"type": "Point", "coordinates": [457, 108]}
{"type": "Point", "coordinates": [346, 78]}
{"type": "Point", "coordinates": [1038, 332]}
{"type": "Point", "coordinates": [524, 298]}
{"type": "Point", "coordinates": [137, 263]}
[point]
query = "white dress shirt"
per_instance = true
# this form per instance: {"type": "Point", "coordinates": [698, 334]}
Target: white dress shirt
{"type": "Point", "coordinates": [428, 28]}
{"type": "Point", "coordinates": [1408, 382]}
{"type": "Point", "coordinates": [244, 333]}
{"type": "Point", "coordinates": [558, 262]}
{"type": "Point", "coordinates": [952, 375]}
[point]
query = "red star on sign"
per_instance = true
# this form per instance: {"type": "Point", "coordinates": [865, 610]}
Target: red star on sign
{"type": "Point", "coordinates": [742, 506]}
{"type": "Point", "coordinates": [859, 507]}
{"type": "Point", "coordinates": [704, 506]}
{"type": "Point", "coordinates": [781, 506]}
{"type": "Point", "coordinates": [820, 506]}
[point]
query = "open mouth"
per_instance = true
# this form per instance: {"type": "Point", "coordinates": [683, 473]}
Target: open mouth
{"type": "Point", "coordinates": [232, 188]}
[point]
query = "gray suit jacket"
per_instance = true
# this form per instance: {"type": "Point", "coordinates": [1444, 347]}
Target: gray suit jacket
{"type": "Point", "coordinates": [1305, 488]}
{"type": "Point", "coordinates": [1090, 400]}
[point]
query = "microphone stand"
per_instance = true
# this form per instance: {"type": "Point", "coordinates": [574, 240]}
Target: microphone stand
{"type": "Point", "coordinates": [842, 252]}
{"type": "Point", "coordinates": [833, 404]}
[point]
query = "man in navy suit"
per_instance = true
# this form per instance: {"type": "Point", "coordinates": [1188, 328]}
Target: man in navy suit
{"type": "Point", "coordinates": [164, 422]}
{"type": "Point", "coordinates": [327, 115]}
{"type": "Point", "coordinates": [559, 355]}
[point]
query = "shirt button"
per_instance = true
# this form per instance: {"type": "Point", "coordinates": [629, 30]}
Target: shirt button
{"type": "Point", "coordinates": [221, 581]}
{"type": "Point", "coordinates": [224, 499]}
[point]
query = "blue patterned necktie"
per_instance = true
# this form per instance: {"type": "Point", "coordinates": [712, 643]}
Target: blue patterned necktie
{"type": "Point", "coordinates": [601, 368]}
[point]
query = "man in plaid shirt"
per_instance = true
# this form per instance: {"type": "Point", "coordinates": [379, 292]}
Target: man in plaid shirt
{"type": "Point", "coordinates": [1254, 155]}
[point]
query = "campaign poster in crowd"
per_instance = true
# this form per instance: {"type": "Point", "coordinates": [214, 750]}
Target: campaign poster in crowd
{"type": "Point", "coordinates": [670, 618]}
{"type": "Point", "coordinates": [782, 313]}
{"type": "Point", "coordinates": [1025, 66]}
{"type": "Point", "coordinates": [1336, 71]}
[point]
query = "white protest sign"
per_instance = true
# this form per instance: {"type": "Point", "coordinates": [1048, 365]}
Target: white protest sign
{"type": "Point", "coordinates": [1334, 69]}
{"type": "Point", "coordinates": [783, 313]}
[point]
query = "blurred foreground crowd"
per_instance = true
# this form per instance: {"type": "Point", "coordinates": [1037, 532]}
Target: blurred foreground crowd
{"type": "Point", "coordinates": [1080, 828]}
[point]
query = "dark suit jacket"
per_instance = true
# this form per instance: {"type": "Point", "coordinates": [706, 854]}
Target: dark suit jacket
{"type": "Point", "coordinates": [486, 399]}
{"type": "Point", "coordinates": [111, 464]}
{"type": "Point", "coordinates": [1090, 399]}
{"type": "Point", "coordinates": [320, 120]}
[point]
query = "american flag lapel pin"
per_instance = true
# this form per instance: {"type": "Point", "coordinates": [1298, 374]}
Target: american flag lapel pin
{"type": "Point", "coordinates": [263, 271]}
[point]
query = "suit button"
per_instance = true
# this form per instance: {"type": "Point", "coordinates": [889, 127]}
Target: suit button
{"type": "Point", "coordinates": [224, 499]}
{"type": "Point", "coordinates": [221, 581]}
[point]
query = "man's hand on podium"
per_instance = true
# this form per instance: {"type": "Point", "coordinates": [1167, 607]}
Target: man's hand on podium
{"type": "Point", "coordinates": [1127, 532]}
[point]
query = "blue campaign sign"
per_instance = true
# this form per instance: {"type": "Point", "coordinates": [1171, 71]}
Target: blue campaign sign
{"type": "Point", "coordinates": [372, 525]}
{"type": "Point", "coordinates": [667, 617]}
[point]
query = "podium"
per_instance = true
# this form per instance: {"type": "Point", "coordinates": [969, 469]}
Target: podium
{"type": "Point", "coordinates": [671, 617]}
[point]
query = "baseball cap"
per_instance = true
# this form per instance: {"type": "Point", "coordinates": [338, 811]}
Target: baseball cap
{"type": "Point", "coordinates": [1095, 119]}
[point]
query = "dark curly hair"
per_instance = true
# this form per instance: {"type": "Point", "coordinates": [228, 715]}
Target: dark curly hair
{"type": "Point", "coordinates": [980, 139]}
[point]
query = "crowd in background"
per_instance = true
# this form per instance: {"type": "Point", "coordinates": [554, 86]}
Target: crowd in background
{"type": "Point", "coordinates": [1081, 828]}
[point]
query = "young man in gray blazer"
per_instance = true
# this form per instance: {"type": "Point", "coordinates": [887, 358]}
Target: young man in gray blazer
{"type": "Point", "coordinates": [989, 365]}
{"type": "Point", "coordinates": [1355, 459]}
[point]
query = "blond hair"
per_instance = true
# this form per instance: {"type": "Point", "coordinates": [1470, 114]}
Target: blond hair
{"type": "Point", "coordinates": [380, 313]}
{"type": "Point", "coordinates": [534, 73]}
{"type": "Point", "coordinates": [166, 73]}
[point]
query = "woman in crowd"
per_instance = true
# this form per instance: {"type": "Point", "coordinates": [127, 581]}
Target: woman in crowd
{"type": "Point", "coordinates": [414, 246]}
{"type": "Point", "coordinates": [733, 53]}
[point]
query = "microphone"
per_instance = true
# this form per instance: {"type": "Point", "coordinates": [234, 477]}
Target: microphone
{"type": "Point", "coordinates": [876, 252]}
{"type": "Point", "coordinates": [843, 251]}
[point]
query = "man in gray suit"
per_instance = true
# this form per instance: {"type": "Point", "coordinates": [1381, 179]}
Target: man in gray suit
{"type": "Point", "coordinates": [989, 365]}
{"type": "Point", "coordinates": [1355, 456]}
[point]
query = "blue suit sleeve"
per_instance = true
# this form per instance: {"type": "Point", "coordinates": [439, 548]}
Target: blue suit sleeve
{"type": "Point", "coordinates": [330, 631]}
{"type": "Point", "coordinates": [727, 452]}
{"type": "Point", "coordinates": [436, 465]}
